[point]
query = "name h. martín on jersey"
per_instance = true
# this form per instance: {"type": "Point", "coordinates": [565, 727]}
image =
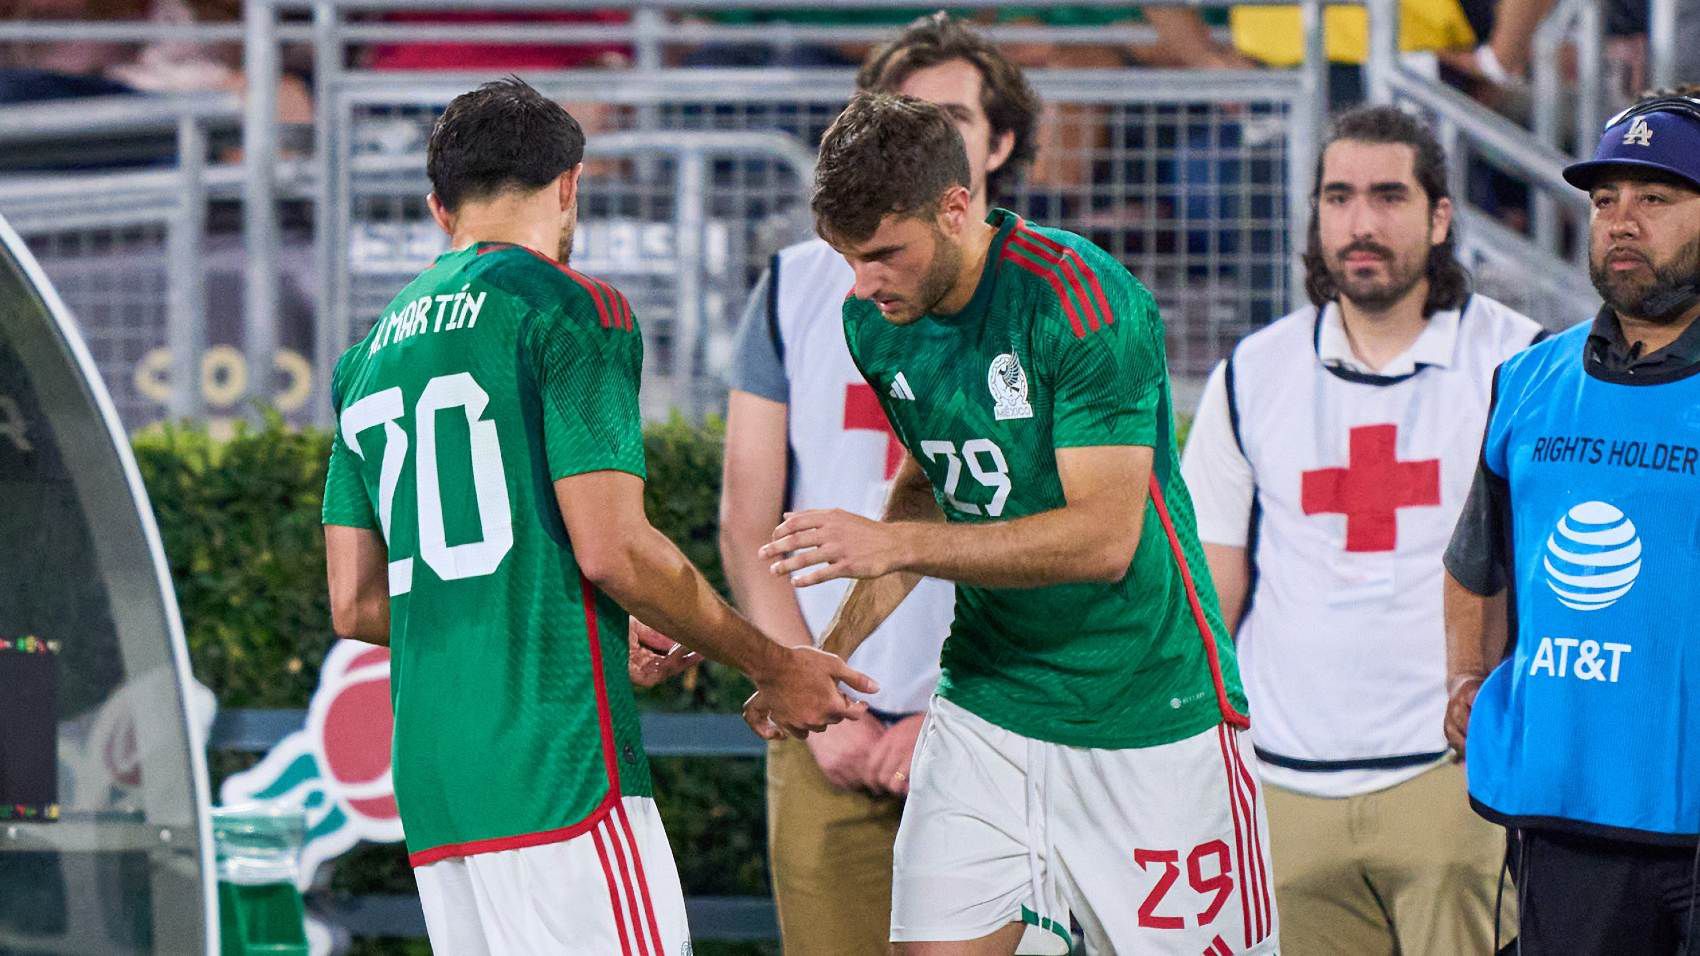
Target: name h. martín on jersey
{"type": "Point", "coordinates": [460, 309]}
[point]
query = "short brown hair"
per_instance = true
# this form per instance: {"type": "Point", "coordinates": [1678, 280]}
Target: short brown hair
{"type": "Point", "coordinates": [1009, 101]}
{"type": "Point", "coordinates": [502, 136]}
{"type": "Point", "coordinates": [1448, 280]}
{"type": "Point", "coordinates": [885, 154]}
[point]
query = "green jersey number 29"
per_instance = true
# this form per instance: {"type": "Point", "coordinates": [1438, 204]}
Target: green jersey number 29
{"type": "Point", "coordinates": [489, 480]}
{"type": "Point", "coordinates": [985, 462]}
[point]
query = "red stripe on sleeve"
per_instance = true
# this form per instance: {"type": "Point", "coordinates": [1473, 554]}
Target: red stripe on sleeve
{"type": "Point", "coordinates": [1232, 716]}
{"type": "Point", "coordinates": [1049, 275]}
{"type": "Point", "coordinates": [1065, 267]}
{"type": "Point", "coordinates": [604, 716]}
{"type": "Point", "coordinates": [1080, 263]}
{"type": "Point", "coordinates": [626, 307]}
{"type": "Point", "coordinates": [616, 304]}
{"type": "Point", "coordinates": [613, 894]}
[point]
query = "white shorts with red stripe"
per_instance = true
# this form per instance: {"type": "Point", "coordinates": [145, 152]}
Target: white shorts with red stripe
{"type": "Point", "coordinates": [1152, 850]}
{"type": "Point", "coordinates": [610, 890]}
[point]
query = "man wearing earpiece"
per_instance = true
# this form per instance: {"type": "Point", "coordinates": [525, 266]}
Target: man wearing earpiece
{"type": "Point", "coordinates": [1581, 542]}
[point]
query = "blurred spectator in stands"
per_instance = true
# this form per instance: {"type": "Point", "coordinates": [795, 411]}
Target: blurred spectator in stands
{"type": "Point", "coordinates": [773, 50]}
{"type": "Point", "coordinates": [493, 57]}
{"type": "Point", "coordinates": [1073, 130]}
{"type": "Point", "coordinates": [55, 69]}
{"type": "Point", "coordinates": [1271, 36]}
{"type": "Point", "coordinates": [490, 57]}
{"type": "Point", "coordinates": [49, 70]}
{"type": "Point", "coordinates": [770, 51]}
{"type": "Point", "coordinates": [1503, 60]}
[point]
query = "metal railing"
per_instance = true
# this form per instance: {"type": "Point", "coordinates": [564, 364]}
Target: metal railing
{"type": "Point", "coordinates": [1194, 179]}
{"type": "Point", "coordinates": [392, 915]}
{"type": "Point", "coordinates": [1505, 261]}
{"type": "Point", "coordinates": [1662, 31]}
{"type": "Point", "coordinates": [1207, 278]}
{"type": "Point", "coordinates": [61, 210]}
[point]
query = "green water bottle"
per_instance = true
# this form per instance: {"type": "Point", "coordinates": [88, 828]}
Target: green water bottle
{"type": "Point", "coordinates": [260, 912]}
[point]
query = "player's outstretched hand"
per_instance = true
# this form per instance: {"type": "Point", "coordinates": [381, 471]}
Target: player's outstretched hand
{"type": "Point", "coordinates": [1458, 707]}
{"type": "Point", "coordinates": [652, 657]}
{"type": "Point", "coordinates": [834, 544]}
{"type": "Point", "coordinates": [801, 695]}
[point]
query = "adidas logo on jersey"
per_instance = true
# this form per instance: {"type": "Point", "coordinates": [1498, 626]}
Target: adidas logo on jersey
{"type": "Point", "coordinates": [900, 389]}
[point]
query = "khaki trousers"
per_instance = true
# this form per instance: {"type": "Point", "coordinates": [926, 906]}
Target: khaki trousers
{"type": "Point", "coordinates": [830, 854]}
{"type": "Point", "coordinates": [1409, 870]}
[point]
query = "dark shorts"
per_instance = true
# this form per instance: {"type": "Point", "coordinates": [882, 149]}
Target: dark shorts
{"type": "Point", "coordinates": [1588, 896]}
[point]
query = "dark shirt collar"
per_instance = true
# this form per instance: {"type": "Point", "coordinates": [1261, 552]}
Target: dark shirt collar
{"type": "Point", "coordinates": [1611, 355]}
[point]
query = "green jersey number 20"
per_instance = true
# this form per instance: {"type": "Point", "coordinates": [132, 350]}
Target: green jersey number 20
{"type": "Point", "coordinates": [489, 480]}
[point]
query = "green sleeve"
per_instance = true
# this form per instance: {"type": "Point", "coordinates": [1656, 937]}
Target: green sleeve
{"type": "Point", "coordinates": [346, 501]}
{"type": "Point", "coordinates": [1108, 385]}
{"type": "Point", "coordinates": [587, 380]}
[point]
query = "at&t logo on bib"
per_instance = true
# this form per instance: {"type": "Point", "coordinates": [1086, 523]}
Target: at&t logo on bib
{"type": "Point", "coordinates": [1593, 557]}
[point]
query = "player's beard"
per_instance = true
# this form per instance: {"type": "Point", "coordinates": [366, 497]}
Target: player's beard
{"type": "Point", "coordinates": [569, 227]}
{"type": "Point", "coordinates": [941, 273]}
{"type": "Point", "coordinates": [1403, 272]}
{"type": "Point", "coordinates": [1658, 298]}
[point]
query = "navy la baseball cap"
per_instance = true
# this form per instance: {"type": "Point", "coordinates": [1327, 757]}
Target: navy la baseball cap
{"type": "Point", "coordinates": [1661, 134]}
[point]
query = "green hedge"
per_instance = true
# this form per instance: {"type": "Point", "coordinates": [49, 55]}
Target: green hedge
{"type": "Point", "coordinates": [240, 521]}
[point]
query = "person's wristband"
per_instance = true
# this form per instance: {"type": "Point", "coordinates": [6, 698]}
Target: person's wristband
{"type": "Point", "coordinates": [1455, 684]}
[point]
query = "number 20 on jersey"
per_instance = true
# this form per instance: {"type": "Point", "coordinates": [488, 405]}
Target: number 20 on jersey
{"type": "Point", "coordinates": [489, 479]}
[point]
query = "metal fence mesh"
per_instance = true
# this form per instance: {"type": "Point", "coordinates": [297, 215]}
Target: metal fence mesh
{"type": "Point", "coordinates": [114, 282]}
{"type": "Point", "coordinates": [1190, 196]}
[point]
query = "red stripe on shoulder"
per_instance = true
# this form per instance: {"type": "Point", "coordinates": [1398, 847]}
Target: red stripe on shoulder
{"type": "Point", "coordinates": [1049, 274]}
{"type": "Point", "coordinates": [1073, 256]}
{"type": "Point", "coordinates": [626, 320]}
{"type": "Point", "coordinates": [1065, 269]}
{"type": "Point", "coordinates": [619, 307]}
{"type": "Point", "coordinates": [585, 282]}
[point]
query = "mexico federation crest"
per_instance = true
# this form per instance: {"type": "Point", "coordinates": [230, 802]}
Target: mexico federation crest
{"type": "Point", "coordinates": [1008, 383]}
{"type": "Point", "coordinates": [338, 766]}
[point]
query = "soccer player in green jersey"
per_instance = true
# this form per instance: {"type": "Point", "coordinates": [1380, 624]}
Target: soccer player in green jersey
{"type": "Point", "coordinates": [484, 517]}
{"type": "Point", "coordinates": [1085, 754]}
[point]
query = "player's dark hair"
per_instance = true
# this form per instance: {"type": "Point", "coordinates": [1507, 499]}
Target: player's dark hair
{"type": "Point", "coordinates": [502, 136]}
{"type": "Point", "coordinates": [885, 154]}
{"type": "Point", "coordinates": [1448, 280]}
{"type": "Point", "coordinates": [1009, 101]}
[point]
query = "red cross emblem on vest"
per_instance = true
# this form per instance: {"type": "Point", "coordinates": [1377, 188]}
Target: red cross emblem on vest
{"type": "Point", "coordinates": [1372, 488]}
{"type": "Point", "coordinates": [862, 412]}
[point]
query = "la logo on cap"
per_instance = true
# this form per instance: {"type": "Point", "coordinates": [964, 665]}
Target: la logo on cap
{"type": "Point", "coordinates": [1640, 134]}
